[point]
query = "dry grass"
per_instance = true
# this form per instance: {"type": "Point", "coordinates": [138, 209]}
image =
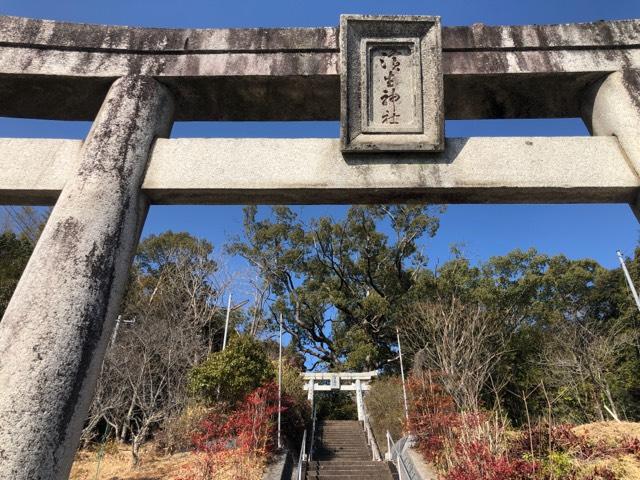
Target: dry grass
{"type": "Point", "coordinates": [116, 465]}
{"type": "Point", "coordinates": [228, 465]}
{"type": "Point", "coordinates": [610, 433]}
{"type": "Point", "coordinates": [613, 434]}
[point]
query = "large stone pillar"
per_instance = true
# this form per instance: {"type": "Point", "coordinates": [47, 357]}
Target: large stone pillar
{"type": "Point", "coordinates": [612, 107]}
{"type": "Point", "coordinates": [55, 330]}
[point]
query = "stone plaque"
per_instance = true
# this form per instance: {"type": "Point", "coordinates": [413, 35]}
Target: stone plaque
{"type": "Point", "coordinates": [391, 84]}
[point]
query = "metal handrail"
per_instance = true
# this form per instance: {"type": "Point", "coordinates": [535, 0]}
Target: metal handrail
{"type": "Point", "coordinates": [399, 461]}
{"type": "Point", "coordinates": [371, 439]}
{"type": "Point", "coordinates": [313, 434]}
{"type": "Point", "coordinates": [302, 454]}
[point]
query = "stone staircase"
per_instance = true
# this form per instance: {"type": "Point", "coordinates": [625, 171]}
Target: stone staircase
{"type": "Point", "coordinates": [341, 452]}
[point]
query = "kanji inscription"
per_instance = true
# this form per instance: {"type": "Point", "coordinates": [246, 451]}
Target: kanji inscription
{"type": "Point", "coordinates": [391, 74]}
{"type": "Point", "coordinates": [390, 64]}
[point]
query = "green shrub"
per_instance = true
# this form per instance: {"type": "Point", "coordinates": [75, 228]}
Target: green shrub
{"type": "Point", "coordinates": [558, 465]}
{"type": "Point", "coordinates": [229, 375]}
{"type": "Point", "coordinates": [385, 406]}
{"type": "Point", "coordinates": [297, 415]}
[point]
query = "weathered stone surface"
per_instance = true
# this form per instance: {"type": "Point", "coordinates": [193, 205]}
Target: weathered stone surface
{"type": "Point", "coordinates": [63, 70]}
{"type": "Point", "coordinates": [612, 107]}
{"type": "Point", "coordinates": [422, 469]}
{"type": "Point", "coordinates": [391, 84]}
{"type": "Point", "coordinates": [54, 331]}
{"type": "Point", "coordinates": [470, 170]}
{"type": "Point", "coordinates": [280, 467]}
{"type": "Point", "coordinates": [34, 171]}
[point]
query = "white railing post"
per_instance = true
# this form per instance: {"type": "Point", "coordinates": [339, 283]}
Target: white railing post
{"type": "Point", "coordinates": [371, 440]}
{"type": "Point", "coordinates": [301, 457]}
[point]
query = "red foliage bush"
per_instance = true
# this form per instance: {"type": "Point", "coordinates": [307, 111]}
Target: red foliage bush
{"type": "Point", "coordinates": [251, 427]}
{"type": "Point", "coordinates": [433, 416]}
{"type": "Point", "coordinates": [542, 439]}
{"type": "Point", "coordinates": [480, 463]}
{"type": "Point", "coordinates": [465, 446]}
{"type": "Point", "coordinates": [247, 433]}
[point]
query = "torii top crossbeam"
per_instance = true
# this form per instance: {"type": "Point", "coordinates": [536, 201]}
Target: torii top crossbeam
{"type": "Point", "coordinates": [346, 381]}
{"type": "Point", "coordinates": [61, 70]}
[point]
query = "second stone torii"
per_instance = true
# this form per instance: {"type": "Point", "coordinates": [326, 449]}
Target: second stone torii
{"type": "Point", "coordinates": [345, 381]}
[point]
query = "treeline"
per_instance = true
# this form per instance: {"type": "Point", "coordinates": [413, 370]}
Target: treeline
{"type": "Point", "coordinates": [532, 334]}
{"type": "Point", "coordinates": [525, 332]}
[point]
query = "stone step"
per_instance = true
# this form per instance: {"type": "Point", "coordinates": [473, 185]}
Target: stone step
{"type": "Point", "coordinates": [330, 456]}
{"type": "Point", "coordinates": [370, 465]}
{"type": "Point", "coordinates": [343, 456]}
{"type": "Point", "coordinates": [358, 439]}
{"type": "Point", "coordinates": [342, 468]}
{"type": "Point", "coordinates": [339, 447]}
{"type": "Point", "coordinates": [334, 452]}
{"type": "Point", "coordinates": [324, 458]}
{"type": "Point", "coordinates": [351, 474]}
{"type": "Point", "coordinates": [355, 441]}
{"type": "Point", "coordinates": [355, 428]}
{"type": "Point", "coordinates": [342, 438]}
{"type": "Point", "coordinates": [320, 456]}
{"type": "Point", "coordinates": [341, 452]}
{"type": "Point", "coordinates": [342, 432]}
{"type": "Point", "coordinates": [334, 449]}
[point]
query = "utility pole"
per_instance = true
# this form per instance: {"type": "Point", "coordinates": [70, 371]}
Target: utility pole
{"type": "Point", "coordinates": [628, 277]}
{"type": "Point", "coordinates": [280, 387]}
{"type": "Point", "coordinates": [404, 388]}
{"type": "Point", "coordinates": [226, 324]}
{"type": "Point", "coordinates": [632, 287]}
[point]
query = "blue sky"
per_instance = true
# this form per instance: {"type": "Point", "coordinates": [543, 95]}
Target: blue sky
{"type": "Point", "coordinates": [594, 231]}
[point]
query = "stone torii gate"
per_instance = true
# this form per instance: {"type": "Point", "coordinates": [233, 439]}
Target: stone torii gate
{"type": "Point", "coordinates": [390, 80]}
{"type": "Point", "coordinates": [344, 381]}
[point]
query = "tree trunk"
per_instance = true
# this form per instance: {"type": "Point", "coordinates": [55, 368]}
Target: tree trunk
{"type": "Point", "coordinates": [127, 422]}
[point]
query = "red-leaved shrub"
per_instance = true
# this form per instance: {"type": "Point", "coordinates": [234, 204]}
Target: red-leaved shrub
{"type": "Point", "coordinates": [480, 463]}
{"type": "Point", "coordinates": [541, 439]}
{"type": "Point", "coordinates": [433, 415]}
{"type": "Point", "coordinates": [247, 432]}
{"type": "Point", "coordinates": [473, 445]}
